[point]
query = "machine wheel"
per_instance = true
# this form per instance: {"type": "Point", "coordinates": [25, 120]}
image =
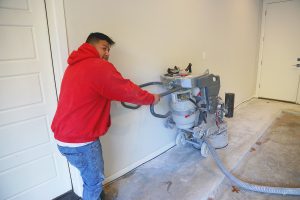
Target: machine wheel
{"type": "Point", "coordinates": [180, 139]}
{"type": "Point", "coordinates": [204, 150]}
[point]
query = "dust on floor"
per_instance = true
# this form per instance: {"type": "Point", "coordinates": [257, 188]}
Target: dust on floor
{"type": "Point", "coordinates": [273, 160]}
{"type": "Point", "coordinates": [182, 174]}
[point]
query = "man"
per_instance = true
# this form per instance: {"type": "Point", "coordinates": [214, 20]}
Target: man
{"type": "Point", "coordinates": [89, 85]}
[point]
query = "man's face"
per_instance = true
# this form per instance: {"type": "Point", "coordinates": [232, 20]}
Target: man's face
{"type": "Point", "coordinates": [103, 48]}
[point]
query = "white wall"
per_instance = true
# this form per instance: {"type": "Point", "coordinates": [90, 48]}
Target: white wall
{"type": "Point", "coordinates": [154, 35]}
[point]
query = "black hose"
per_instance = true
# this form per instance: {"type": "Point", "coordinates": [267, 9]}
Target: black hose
{"type": "Point", "coordinates": [152, 105]}
{"type": "Point", "coordinates": [130, 107]}
{"type": "Point", "coordinates": [158, 115]}
{"type": "Point", "coordinates": [162, 95]}
{"type": "Point", "coordinates": [194, 102]}
{"type": "Point", "coordinates": [150, 83]}
{"type": "Point", "coordinates": [202, 115]}
{"type": "Point", "coordinates": [133, 107]}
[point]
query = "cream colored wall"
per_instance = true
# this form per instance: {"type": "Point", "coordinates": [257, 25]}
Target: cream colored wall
{"type": "Point", "coordinates": [154, 35]}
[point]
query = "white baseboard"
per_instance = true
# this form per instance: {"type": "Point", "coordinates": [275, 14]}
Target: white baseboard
{"type": "Point", "coordinates": [245, 101]}
{"type": "Point", "coordinates": [138, 163]}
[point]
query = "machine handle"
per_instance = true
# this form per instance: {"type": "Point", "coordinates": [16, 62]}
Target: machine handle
{"type": "Point", "coordinates": [170, 91]}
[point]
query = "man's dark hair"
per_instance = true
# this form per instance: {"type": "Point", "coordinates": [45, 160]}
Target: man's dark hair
{"type": "Point", "coordinates": [95, 37]}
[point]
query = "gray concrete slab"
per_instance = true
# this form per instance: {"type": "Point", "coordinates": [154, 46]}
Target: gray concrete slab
{"type": "Point", "coordinates": [182, 174]}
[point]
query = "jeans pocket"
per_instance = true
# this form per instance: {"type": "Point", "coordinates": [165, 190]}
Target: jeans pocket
{"type": "Point", "coordinates": [75, 159]}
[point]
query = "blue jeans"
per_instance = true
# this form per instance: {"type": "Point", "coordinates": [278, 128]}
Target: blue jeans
{"type": "Point", "coordinates": [89, 161]}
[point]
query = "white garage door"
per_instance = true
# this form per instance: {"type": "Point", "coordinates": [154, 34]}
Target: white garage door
{"type": "Point", "coordinates": [30, 166]}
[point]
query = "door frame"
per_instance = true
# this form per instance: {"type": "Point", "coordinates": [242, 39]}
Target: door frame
{"type": "Point", "coordinates": [55, 12]}
{"type": "Point", "coordinates": [261, 46]}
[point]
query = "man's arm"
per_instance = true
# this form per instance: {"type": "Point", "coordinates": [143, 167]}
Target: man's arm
{"type": "Point", "coordinates": [113, 86]}
{"type": "Point", "coordinates": [156, 98]}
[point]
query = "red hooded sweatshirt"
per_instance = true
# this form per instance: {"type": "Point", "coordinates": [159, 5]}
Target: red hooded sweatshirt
{"type": "Point", "coordinates": [88, 87]}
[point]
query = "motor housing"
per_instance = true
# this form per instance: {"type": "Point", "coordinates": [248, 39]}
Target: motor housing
{"type": "Point", "coordinates": [196, 110]}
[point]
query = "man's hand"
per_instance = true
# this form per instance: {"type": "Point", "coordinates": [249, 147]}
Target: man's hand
{"type": "Point", "coordinates": [156, 98]}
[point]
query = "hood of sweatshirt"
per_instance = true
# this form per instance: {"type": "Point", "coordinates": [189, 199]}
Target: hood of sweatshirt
{"type": "Point", "coordinates": [85, 51]}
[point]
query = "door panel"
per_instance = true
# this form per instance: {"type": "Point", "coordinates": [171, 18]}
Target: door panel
{"type": "Point", "coordinates": [281, 47]}
{"type": "Point", "coordinates": [30, 165]}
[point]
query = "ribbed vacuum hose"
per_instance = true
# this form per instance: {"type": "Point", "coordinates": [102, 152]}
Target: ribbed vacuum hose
{"type": "Point", "coordinates": [152, 111]}
{"type": "Point", "coordinates": [162, 95]}
{"type": "Point", "coordinates": [248, 186]}
{"type": "Point", "coordinates": [133, 107]}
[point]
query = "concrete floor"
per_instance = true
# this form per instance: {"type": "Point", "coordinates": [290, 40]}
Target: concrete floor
{"type": "Point", "coordinates": [273, 160]}
{"type": "Point", "coordinates": [182, 174]}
